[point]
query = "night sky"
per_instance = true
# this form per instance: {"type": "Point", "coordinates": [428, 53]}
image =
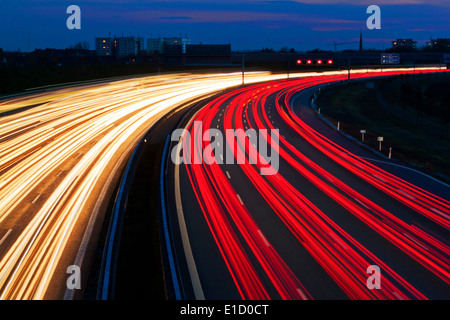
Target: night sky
{"type": "Point", "coordinates": [245, 24]}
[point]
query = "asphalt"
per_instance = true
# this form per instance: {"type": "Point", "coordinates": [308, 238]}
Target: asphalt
{"type": "Point", "coordinates": [213, 274]}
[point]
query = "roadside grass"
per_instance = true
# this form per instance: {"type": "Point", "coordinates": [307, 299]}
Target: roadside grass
{"type": "Point", "coordinates": [357, 107]}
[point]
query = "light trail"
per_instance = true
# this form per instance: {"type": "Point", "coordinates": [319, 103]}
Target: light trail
{"type": "Point", "coordinates": [55, 157]}
{"type": "Point", "coordinates": [80, 131]}
{"type": "Point", "coordinates": [338, 253]}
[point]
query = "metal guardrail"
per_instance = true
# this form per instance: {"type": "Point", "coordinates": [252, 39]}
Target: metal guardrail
{"type": "Point", "coordinates": [106, 285]}
{"type": "Point", "coordinates": [176, 290]}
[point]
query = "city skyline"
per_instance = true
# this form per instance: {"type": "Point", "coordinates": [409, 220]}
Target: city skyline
{"type": "Point", "coordinates": [246, 25]}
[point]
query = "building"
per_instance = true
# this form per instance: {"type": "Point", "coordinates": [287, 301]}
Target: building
{"type": "Point", "coordinates": [176, 42]}
{"type": "Point", "coordinates": [155, 45]}
{"type": "Point", "coordinates": [209, 54]}
{"type": "Point", "coordinates": [129, 46]}
{"type": "Point", "coordinates": [104, 46]}
{"type": "Point", "coordinates": [162, 45]}
{"type": "Point", "coordinates": [439, 44]}
{"type": "Point", "coordinates": [404, 44]}
{"type": "Point", "coordinates": [208, 49]}
{"type": "Point", "coordinates": [119, 47]}
{"type": "Point", "coordinates": [198, 54]}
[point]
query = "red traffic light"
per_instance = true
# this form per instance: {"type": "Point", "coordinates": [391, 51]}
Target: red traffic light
{"type": "Point", "coordinates": [314, 62]}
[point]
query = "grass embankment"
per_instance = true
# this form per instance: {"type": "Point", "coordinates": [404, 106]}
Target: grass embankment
{"type": "Point", "coordinates": [411, 113]}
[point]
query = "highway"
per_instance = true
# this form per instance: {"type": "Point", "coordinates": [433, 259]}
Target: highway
{"type": "Point", "coordinates": [307, 222]}
{"type": "Point", "coordinates": [62, 152]}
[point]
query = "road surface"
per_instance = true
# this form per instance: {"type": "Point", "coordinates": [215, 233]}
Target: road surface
{"type": "Point", "coordinates": [61, 154]}
{"type": "Point", "coordinates": [315, 224]}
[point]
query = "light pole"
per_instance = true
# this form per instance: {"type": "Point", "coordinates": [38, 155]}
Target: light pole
{"type": "Point", "coordinates": [243, 67]}
{"type": "Point", "coordinates": [348, 68]}
{"type": "Point", "coordinates": [288, 67]}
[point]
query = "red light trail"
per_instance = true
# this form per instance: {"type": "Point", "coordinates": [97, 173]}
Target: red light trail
{"type": "Point", "coordinates": [343, 258]}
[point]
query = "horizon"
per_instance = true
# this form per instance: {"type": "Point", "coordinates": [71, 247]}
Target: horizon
{"type": "Point", "coordinates": [246, 25]}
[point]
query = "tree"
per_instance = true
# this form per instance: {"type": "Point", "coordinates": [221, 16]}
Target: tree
{"type": "Point", "coordinates": [83, 45]}
{"type": "Point", "coordinates": [267, 50]}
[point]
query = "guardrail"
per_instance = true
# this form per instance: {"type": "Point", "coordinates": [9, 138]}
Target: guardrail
{"type": "Point", "coordinates": [176, 290]}
{"type": "Point", "coordinates": [109, 260]}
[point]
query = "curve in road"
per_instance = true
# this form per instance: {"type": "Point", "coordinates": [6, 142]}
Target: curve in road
{"type": "Point", "coordinates": [315, 223]}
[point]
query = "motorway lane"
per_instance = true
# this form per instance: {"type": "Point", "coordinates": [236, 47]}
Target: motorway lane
{"type": "Point", "coordinates": [406, 277]}
{"type": "Point", "coordinates": [60, 161]}
{"type": "Point", "coordinates": [395, 166]}
{"type": "Point", "coordinates": [369, 239]}
{"type": "Point", "coordinates": [399, 169]}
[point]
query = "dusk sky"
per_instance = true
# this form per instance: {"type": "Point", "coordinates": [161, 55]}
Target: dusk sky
{"type": "Point", "coordinates": [245, 24]}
